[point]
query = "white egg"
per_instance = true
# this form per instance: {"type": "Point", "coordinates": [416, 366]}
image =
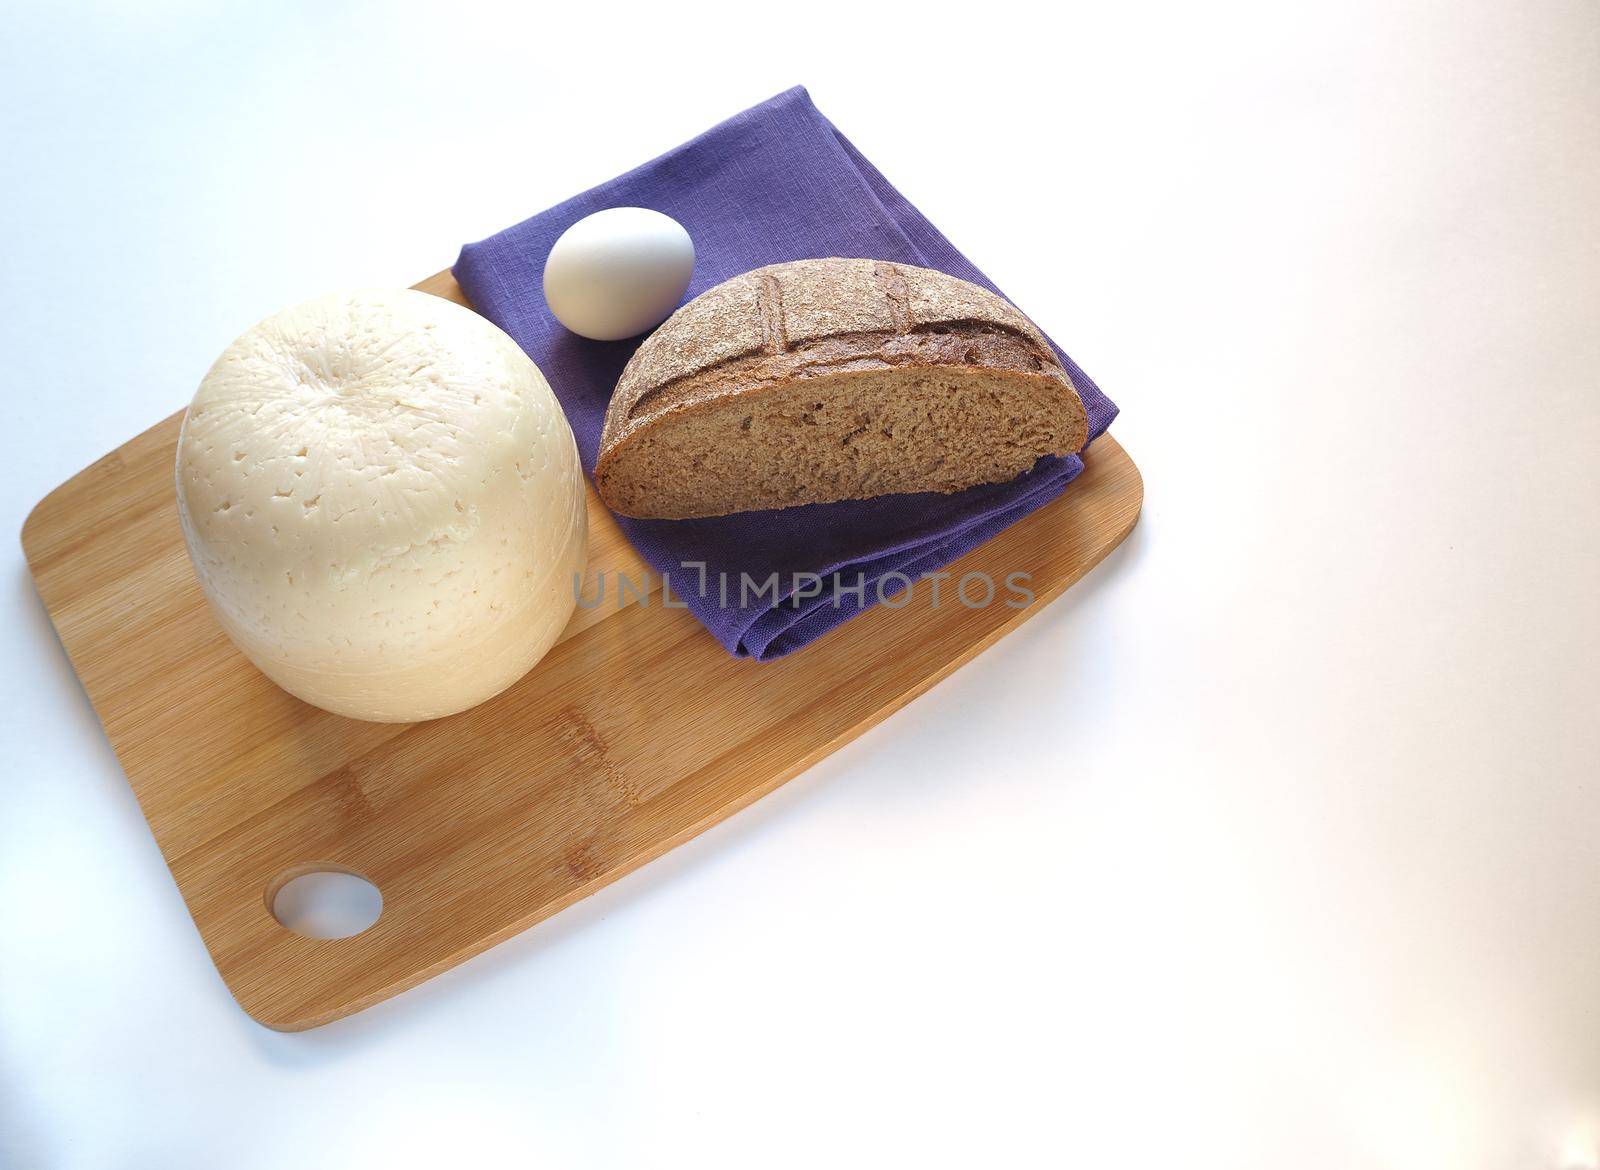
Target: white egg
{"type": "Point", "coordinates": [618, 273]}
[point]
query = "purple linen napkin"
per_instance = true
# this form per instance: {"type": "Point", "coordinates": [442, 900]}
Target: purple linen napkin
{"type": "Point", "coordinates": [774, 183]}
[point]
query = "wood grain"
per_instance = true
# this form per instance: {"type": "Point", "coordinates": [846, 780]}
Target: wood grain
{"type": "Point", "coordinates": [634, 734]}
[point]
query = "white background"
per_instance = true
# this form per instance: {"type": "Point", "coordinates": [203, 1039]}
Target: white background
{"type": "Point", "coordinates": [1276, 843]}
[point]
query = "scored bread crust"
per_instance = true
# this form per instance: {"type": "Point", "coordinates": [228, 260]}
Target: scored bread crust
{"type": "Point", "coordinates": [768, 328]}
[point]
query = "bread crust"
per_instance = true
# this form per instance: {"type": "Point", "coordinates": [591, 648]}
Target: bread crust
{"type": "Point", "coordinates": [772, 326]}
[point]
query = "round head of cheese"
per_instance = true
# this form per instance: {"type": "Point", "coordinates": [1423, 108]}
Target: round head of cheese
{"type": "Point", "coordinates": [383, 503]}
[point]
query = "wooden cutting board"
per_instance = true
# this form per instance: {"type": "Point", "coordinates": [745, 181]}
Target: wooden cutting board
{"type": "Point", "coordinates": [635, 733]}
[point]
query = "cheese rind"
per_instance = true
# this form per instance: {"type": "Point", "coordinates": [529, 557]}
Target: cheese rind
{"type": "Point", "coordinates": [383, 503]}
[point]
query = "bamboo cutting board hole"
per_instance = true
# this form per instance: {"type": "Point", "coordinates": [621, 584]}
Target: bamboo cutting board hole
{"type": "Point", "coordinates": [324, 901]}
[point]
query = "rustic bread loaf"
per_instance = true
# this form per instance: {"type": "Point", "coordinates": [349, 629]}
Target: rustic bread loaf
{"type": "Point", "coordinates": [825, 380]}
